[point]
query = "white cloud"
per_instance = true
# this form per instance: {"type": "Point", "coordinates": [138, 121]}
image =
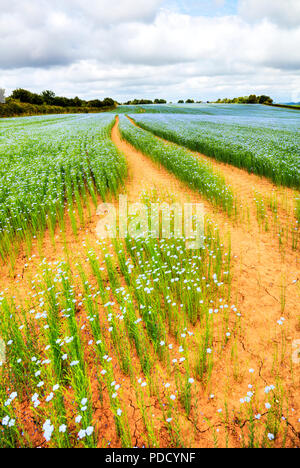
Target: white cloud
{"type": "Point", "coordinates": [91, 79]}
{"type": "Point", "coordinates": [212, 43]}
{"type": "Point", "coordinates": [112, 11]}
{"type": "Point", "coordinates": [281, 12]}
{"type": "Point", "coordinates": [131, 48]}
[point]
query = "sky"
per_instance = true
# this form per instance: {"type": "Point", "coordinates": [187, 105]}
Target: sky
{"type": "Point", "coordinates": [172, 49]}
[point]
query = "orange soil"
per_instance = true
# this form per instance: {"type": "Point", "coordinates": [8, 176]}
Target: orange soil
{"type": "Point", "coordinates": [259, 269]}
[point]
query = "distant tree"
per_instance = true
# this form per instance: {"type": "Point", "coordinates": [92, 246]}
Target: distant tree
{"type": "Point", "coordinates": [36, 99]}
{"type": "Point", "coordinates": [2, 96]}
{"type": "Point", "coordinates": [22, 95]}
{"type": "Point", "coordinates": [59, 101]}
{"type": "Point", "coordinates": [108, 102]}
{"type": "Point", "coordinates": [252, 99]}
{"type": "Point", "coordinates": [265, 100]}
{"type": "Point", "coordinates": [78, 102]}
{"type": "Point", "coordinates": [190, 101]}
{"type": "Point", "coordinates": [181, 101]}
{"type": "Point", "coordinates": [72, 102]}
{"type": "Point", "coordinates": [48, 97]}
{"type": "Point", "coordinates": [135, 102]}
{"type": "Point", "coordinates": [160, 101]}
{"type": "Point", "coordinates": [95, 103]}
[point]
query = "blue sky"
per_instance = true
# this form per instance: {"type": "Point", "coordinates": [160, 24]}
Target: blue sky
{"type": "Point", "coordinates": [173, 49]}
{"type": "Point", "coordinates": [204, 7]}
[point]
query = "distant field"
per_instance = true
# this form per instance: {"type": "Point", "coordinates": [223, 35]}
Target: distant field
{"type": "Point", "coordinates": [262, 140]}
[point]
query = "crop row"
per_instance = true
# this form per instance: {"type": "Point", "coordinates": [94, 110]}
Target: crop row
{"type": "Point", "coordinates": [199, 175]}
{"type": "Point", "coordinates": [268, 151]}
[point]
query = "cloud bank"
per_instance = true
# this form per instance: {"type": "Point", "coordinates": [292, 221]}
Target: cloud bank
{"type": "Point", "coordinates": [129, 48]}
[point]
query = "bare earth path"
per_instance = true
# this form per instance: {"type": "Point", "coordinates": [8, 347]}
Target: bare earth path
{"type": "Point", "coordinates": [261, 275]}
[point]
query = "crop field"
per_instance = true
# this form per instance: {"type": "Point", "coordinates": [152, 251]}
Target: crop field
{"type": "Point", "coordinates": [48, 165]}
{"type": "Point", "coordinates": [116, 332]}
{"type": "Point", "coordinates": [268, 146]}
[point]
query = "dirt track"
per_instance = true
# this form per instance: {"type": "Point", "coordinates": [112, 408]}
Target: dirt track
{"type": "Point", "coordinates": [261, 270]}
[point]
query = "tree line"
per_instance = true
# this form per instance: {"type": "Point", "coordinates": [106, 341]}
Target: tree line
{"type": "Point", "coordinates": [50, 99]}
{"type": "Point", "coordinates": [190, 101]}
{"type": "Point", "coordinates": [137, 102]}
{"type": "Point", "coordinates": [252, 99]}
